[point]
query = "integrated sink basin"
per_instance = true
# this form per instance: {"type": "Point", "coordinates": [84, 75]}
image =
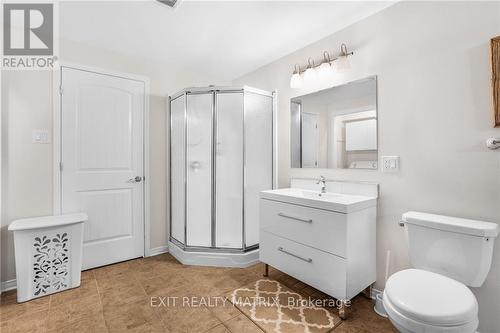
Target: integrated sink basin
{"type": "Point", "coordinates": [337, 202]}
{"type": "Point", "coordinates": [318, 195]}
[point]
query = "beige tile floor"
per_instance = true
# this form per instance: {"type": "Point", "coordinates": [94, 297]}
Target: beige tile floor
{"type": "Point", "coordinates": [117, 298]}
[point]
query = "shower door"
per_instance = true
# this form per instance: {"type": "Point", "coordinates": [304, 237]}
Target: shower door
{"type": "Point", "coordinates": [258, 134]}
{"type": "Point", "coordinates": [178, 168]}
{"type": "Point", "coordinates": [221, 158]}
{"type": "Point", "coordinates": [199, 169]}
{"type": "Point", "coordinates": [229, 170]}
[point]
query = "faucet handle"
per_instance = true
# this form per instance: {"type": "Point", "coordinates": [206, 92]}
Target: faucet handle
{"type": "Point", "coordinates": [322, 179]}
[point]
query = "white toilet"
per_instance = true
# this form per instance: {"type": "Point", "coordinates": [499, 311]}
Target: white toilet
{"type": "Point", "coordinates": [448, 254]}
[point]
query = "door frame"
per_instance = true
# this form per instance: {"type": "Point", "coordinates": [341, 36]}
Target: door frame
{"type": "Point", "coordinates": [56, 141]}
{"type": "Point", "coordinates": [302, 113]}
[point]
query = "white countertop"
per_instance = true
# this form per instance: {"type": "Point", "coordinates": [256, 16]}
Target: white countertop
{"type": "Point", "coordinates": [337, 202]}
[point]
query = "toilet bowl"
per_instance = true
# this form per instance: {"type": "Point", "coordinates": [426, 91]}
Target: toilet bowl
{"type": "Point", "coordinates": [449, 254]}
{"type": "Point", "coordinates": [419, 301]}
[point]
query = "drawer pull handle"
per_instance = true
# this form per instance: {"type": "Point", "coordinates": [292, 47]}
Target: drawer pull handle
{"type": "Point", "coordinates": [294, 255]}
{"type": "Point", "coordinates": [295, 218]}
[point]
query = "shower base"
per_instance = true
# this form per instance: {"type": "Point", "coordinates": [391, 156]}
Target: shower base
{"type": "Point", "coordinates": [214, 258]}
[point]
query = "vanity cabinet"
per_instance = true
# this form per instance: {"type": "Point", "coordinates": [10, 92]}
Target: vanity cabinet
{"type": "Point", "coordinates": [332, 251]}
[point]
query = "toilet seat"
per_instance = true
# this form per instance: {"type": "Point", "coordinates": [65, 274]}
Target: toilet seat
{"type": "Point", "coordinates": [422, 301]}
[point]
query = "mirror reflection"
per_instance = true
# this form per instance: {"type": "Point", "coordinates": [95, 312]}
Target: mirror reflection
{"type": "Point", "coordinates": [336, 127]}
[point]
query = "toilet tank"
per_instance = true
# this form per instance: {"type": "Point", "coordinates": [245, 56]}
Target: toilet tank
{"type": "Point", "coordinates": [458, 248]}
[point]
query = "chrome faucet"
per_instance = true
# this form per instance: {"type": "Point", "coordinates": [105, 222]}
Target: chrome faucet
{"type": "Point", "coordinates": [322, 180]}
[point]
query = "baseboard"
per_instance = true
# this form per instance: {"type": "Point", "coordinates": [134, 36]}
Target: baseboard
{"type": "Point", "coordinates": [375, 292]}
{"type": "Point", "coordinates": [8, 285]}
{"type": "Point", "coordinates": [157, 250]}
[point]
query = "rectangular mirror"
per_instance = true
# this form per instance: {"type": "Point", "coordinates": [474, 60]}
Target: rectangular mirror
{"type": "Point", "coordinates": [335, 127]}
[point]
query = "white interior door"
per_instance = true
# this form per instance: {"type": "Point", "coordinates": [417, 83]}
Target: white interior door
{"type": "Point", "coordinates": [102, 154]}
{"type": "Point", "coordinates": [310, 140]}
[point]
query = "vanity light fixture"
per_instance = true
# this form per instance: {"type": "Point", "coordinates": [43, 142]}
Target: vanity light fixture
{"type": "Point", "coordinates": [296, 81]}
{"type": "Point", "coordinates": [170, 3]}
{"type": "Point", "coordinates": [343, 62]}
{"type": "Point", "coordinates": [310, 75]}
{"type": "Point", "coordinates": [324, 71]}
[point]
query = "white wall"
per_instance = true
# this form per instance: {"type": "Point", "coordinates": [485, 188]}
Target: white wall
{"type": "Point", "coordinates": [27, 168]}
{"type": "Point", "coordinates": [432, 63]}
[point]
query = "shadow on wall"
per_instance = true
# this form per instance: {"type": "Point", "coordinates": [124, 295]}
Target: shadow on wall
{"type": "Point", "coordinates": [490, 302]}
{"type": "Point", "coordinates": [7, 265]}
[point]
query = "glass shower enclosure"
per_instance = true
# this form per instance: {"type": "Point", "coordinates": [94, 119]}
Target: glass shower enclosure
{"type": "Point", "coordinates": [221, 157]}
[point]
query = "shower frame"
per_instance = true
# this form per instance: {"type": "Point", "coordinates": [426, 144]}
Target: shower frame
{"type": "Point", "coordinates": [213, 91]}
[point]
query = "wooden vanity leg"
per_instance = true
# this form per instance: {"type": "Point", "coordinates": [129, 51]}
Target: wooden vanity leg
{"type": "Point", "coordinates": [266, 270]}
{"type": "Point", "coordinates": [368, 292]}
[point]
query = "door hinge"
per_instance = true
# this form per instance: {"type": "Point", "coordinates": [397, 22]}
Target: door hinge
{"type": "Point", "coordinates": [60, 166]}
{"type": "Point", "coordinates": [60, 90]}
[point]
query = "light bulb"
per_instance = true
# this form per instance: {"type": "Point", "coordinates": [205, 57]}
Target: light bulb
{"type": "Point", "coordinates": [342, 63]}
{"type": "Point", "coordinates": [325, 73]}
{"type": "Point", "coordinates": [310, 76]}
{"type": "Point", "coordinates": [296, 81]}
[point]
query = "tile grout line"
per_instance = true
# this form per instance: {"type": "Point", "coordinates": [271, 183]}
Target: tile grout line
{"type": "Point", "coordinates": [48, 314]}
{"type": "Point", "coordinates": [226, 327]}
{"type": "Point", "coordinates": [335, 327]}
{"type": "Point", "coordinates": [100, 300]}
{"type": "Point", "coordinates": [244, 314]}
{"type": "Point", "coordinates": [220, 322]}
{"type": "Point", "coordinates": [158, 317]}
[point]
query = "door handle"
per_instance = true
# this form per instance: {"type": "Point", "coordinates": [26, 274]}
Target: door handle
{"type": "Point", "coordinates": [137, 179]}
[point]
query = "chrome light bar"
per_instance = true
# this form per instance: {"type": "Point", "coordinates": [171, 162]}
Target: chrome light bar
{"type": "Point", "coordinates": [170, 3]}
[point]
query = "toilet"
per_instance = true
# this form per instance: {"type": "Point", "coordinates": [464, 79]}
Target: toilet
{"type": "Point", "coordinates": [448, 255]}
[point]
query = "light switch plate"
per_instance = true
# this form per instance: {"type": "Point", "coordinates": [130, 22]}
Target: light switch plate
{"type": "Point", "coordinates": [40, 136]}
{"type": "Point", "coordinates": [390, 163]}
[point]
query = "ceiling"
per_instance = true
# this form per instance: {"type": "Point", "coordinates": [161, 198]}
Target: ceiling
{"type": "Point", "coordinates": [221, 40]}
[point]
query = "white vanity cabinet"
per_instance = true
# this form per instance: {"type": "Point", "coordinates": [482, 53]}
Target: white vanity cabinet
{"type": "Point", "coordinates": [328, 243]}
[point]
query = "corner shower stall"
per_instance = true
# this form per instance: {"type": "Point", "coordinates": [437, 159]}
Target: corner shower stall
{"type": "Point", "coordinates": [221, 157]}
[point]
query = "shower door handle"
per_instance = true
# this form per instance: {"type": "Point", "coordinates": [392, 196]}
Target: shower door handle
{"type": "Point", "coordinates": [195, 166]}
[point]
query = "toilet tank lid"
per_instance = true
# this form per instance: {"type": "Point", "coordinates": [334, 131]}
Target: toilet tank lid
{"type": "Point", "coordinates": [452, 224]}
{"type": "Point", "coordinates": [47, 221]}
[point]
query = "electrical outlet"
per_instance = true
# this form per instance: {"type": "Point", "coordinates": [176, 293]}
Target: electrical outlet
{"type": "Point", "coordinates": [390, 163]}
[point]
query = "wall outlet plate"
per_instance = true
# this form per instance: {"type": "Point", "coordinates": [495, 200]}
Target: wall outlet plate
{"type": "Point", "coordinates": [40, 136]}
{"type": "Point", "coordinates": [390, 163]}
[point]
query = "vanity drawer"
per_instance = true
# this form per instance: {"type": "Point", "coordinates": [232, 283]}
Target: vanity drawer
{"type": "Point", "coordinates": [319, 269]}
{"type": "Point", "coordinates": [321, 229]}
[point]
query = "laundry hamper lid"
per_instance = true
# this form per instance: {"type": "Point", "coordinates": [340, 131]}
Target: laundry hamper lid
{"type": "Point", "coordinates": [47, 221]}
